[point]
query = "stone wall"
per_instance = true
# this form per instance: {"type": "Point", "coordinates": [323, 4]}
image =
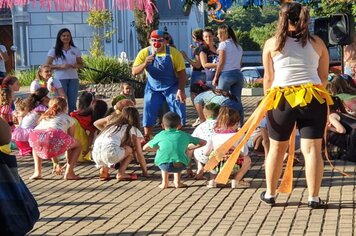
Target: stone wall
{"type": "Point", "coordinates": [113, 89]}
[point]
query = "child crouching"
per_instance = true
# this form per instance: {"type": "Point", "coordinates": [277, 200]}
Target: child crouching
{"type": "Point", "coordinates": [52, 137]}
{"type": "Point", "coordinates": [117, 143]}
{"type": "Point", "coordinates": [171, 145]}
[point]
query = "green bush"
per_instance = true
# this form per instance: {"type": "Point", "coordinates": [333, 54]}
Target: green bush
{"type": "Point", "coordinates": [25, 76]}
{"type": "Point", "coordinates": [261, 34]}
{"type": "Point", "coordinates": [106, 70]}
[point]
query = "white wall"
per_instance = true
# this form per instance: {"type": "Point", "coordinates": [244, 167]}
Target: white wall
{"type": "Point", "coordinates": [43, 28]}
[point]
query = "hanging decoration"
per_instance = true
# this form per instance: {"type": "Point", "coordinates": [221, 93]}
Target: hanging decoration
{"type": "Point", "coordinates": [217, 8]}
{"type": "Point", "coordinates": [85, 5]}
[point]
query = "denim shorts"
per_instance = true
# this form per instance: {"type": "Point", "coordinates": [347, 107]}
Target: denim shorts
{"type": "Point", "coordinates": [175, 167]}
{"type": "Point", "coordinates": [231, 81]}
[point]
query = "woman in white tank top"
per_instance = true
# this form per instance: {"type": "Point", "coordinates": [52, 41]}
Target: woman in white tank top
{"type": "Point", "coordinates": [296, 64]}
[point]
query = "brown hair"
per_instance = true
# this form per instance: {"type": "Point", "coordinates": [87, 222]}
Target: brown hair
{"type": "Point", "coordinates": [56, 106]}
{"type": "Point", "coordinates": [212, 110]}
{"type": "Point", "coordinates": [36, 98]}
{"type": "Point", "coordinates": [5, 96]}
{"type": "Point", "coordinates": [198, 34]}
{"type": "Point", "coordinates": [130, 117]}
{"type": "Point", "coordinates": [227, 118]}
{"type": "Point", "coordinates": [40, 68]}
{"type": "Point", "coordinates": [297, 15]}
{"type": "Point", "coordinates": [230, 32]}
{"type": "Point", "coordinates": [9, 80]}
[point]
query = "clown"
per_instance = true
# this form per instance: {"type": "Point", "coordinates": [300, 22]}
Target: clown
{"type": "Point", "coordinates": [165, 70]}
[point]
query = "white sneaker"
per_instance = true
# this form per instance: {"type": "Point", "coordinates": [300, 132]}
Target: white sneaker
{"type": "Point", "coordinates": [211, 184]}
{"type": "Point", "coordinates": [196, 123]}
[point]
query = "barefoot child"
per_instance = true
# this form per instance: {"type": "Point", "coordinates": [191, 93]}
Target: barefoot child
{"type": "Point", "coordinates": [226, 126]}
{"type": "Point", "coordinates": [52, 137]}
{"type": "Point", "coordinates": [35, 105]}
{"type": "Point", "coordinates": [171, 145]}
{"type": "Point", "coordinates": [117, 143]}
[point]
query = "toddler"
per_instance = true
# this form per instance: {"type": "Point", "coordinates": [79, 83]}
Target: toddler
{"type": "Point", "coordinates": [171, 145]}
{"type": "Point", "coordinates": [227, 126]}
{"type": "Point", "coordinates": [35, 105]}
{"type": "Point", "coordinates": [205, 131]}
{"type": "Point", "coordinates": [128, 91]}
{"type": "Point", "coordinates": [52, 137]}
{"type": "Point", "coordinates": [117, 143]}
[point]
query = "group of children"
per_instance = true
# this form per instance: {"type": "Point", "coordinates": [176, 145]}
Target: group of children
{"type": "Point", "coordinates": [42, 127]}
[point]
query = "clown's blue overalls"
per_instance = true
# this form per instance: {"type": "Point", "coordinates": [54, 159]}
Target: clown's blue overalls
{"type": "Point", "coordinates": [162, 85]}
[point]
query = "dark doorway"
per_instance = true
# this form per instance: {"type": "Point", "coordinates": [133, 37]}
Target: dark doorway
{"type": "Point", "coordinates": [6, 40]}
{"type": "Point", "coordinates": [6, 37]}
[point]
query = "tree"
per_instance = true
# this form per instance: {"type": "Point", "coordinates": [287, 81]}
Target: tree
{"type": "Point", "coordinates": [261, 34]}
{"type": "Point", "coordinates": [99, 20]}
{"type": "Point", "coordinates": [142, 28]}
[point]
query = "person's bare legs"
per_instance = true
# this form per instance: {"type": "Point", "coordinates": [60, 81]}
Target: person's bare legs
{"type": "Point", "coordinates": [314, 165]}
{"type": "Point", "coordinates": [199, 108]}
{"type": "Point", "coordinates": [165, 179]}
{"type": "Point", "coordinates": [274, 165]}
{"type": "Point", "coordinates": [200, 171]}
{"type": "Point", "coordinates": [189, 170]}
{"type": "Point", "coordinates": [243, 170]}
{"type": "Point", "coordinates": [104, 173]}
{"type": "Point", "coordinates": [38, 166]}
{"type": "Point", "coordinates": [177, 180]}
{"type": "Point", "coordinates": [72, 157]}
{"type": "Point", "coordinates": [125, 163]}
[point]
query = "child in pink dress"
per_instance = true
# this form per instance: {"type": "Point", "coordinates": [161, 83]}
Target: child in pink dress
{"type": "Point", "coordinates": [35, 105]}
{"type": "Point", "coordinates": [52, 137]}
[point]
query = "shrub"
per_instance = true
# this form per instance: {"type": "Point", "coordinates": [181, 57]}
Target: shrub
{"type": "Point", "coordinates": [25, 76]}
{"type": "Point", "coordinates": [107, 70]}
{"type": "Point", "coordinates": [104, 70]}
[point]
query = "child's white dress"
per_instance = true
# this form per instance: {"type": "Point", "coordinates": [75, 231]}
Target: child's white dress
{"type": "Point", "coordinates": [203, 131]}
{"type": "Point", "coordinates": [107, 149]}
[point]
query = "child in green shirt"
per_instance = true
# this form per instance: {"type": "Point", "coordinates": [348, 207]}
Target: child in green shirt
{"type": "Point", "coordinates": [171, 145]}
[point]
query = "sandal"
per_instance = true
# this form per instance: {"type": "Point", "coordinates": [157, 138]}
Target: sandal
{"type": "Point", "coordinates": [241, 184]}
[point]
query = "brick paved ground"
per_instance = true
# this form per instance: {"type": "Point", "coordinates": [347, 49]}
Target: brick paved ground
{"type": "Point", "coordinates": [92, 207]}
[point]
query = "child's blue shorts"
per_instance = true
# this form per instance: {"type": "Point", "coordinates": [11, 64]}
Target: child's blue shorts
{"type": "Point", "coordinates": [172, 167]}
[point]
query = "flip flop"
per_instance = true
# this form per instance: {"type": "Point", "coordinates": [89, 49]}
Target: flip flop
{"type": "Point", "coordinates": [131, 177]}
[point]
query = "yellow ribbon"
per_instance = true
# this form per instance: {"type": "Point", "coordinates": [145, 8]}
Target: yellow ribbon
{"type": "Point", "coordinates": [301, 95]}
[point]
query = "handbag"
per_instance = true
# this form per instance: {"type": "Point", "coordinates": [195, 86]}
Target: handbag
{"type": "Point", "coordinates": [18, 208]}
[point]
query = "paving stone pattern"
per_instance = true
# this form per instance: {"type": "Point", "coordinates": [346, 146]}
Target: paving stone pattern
{"type": "Point", "coordinates": [93, 207]}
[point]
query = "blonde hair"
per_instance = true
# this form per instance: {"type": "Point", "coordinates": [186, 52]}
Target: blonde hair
{"type": "Point", "coordinates": [40, 68]}
{"type": "Point", "coordinates": [56, 105]}
{"type": "Point", "coordinates": [227, 118]}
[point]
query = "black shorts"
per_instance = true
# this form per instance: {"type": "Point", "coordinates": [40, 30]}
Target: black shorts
{"type": "Point", "coordinates": [310, 119]}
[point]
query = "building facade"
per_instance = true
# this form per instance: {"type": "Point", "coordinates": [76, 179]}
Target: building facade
{"type": "Point", "coordinates": [32, 31]}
